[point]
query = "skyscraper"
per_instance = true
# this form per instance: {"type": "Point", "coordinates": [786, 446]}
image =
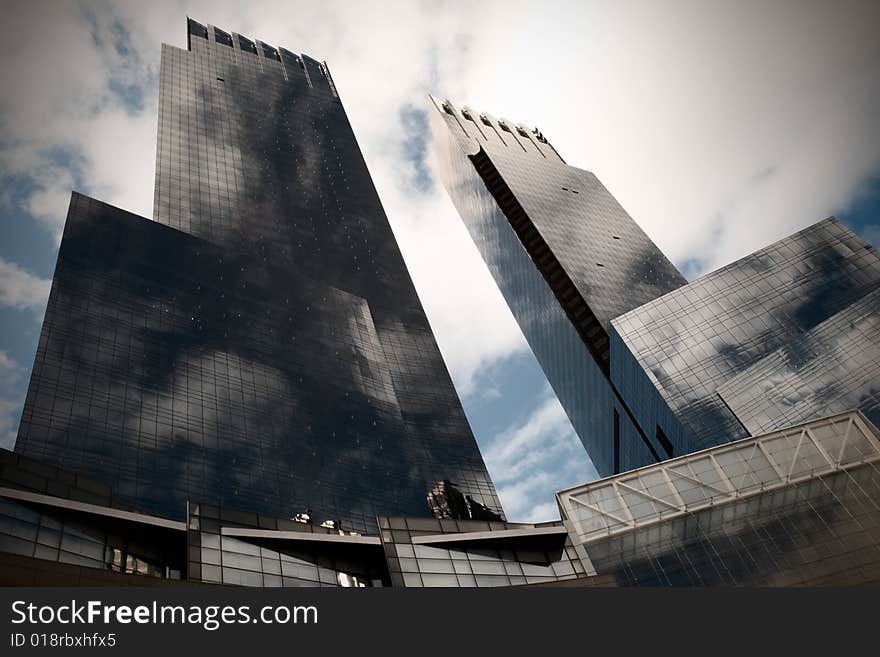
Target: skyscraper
{"type": "Point", "coordinates": [214, 402]}
{"type": "Point", "coordinates": [568, 259]}
{"type": "Point", "coordinates": [260, 344]}
{"type": "Point", "coordinates": [787, 334]}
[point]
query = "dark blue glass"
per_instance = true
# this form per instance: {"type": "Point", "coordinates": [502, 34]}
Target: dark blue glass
{"type": "Point", "coordinates": [260, 344]}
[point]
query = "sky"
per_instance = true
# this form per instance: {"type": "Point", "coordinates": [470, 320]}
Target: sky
{"type": "Point", "coordinates": [719, 126]}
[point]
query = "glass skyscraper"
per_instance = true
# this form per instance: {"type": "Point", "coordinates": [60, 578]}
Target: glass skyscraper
{"type": "Point", "coordinates": [568, 259]}
{"type": "Point", "coordinates": [245, 391]}
{"type": "Point", "coordinates": [260, 344]}
{"type": "Point", "coordinates": [787, 334]}
{"type": "Point", "coordinates": [646, 365]}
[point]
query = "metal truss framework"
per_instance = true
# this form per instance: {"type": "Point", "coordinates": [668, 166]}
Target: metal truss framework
{"type": "Point", "coordinates": [718, 475]}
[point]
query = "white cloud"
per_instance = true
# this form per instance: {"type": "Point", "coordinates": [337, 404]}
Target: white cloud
{"type": "Point", "coordinates": [543, 512]}
{"type": "Point", "coordinates": [472, 322]}
{"type": "Point", "coordinates": [64, 126]}
{"type": "Point", "coordinates": [871, 234]}
{"type": "Point", "coordinates": [680, 107]}
{"type": "Point", "coordinates": [719, 126]}
{"type": "Point", "coordinates": [9, 414]}
{"type": "Point", "coordinates": [532, 459]}
{"type": "Point", "coordinates": [7, 365]}
{"type": "Point", "coordinates": [51, 196]}
{"type": "Point", "coordinates": [20, 289]}
{"type": "Point", "coordinates": [63, 104]}
{"type": "Point", "coordinates": [10, 402]}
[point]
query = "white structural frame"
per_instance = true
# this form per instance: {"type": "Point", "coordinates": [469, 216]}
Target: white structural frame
{"type": "Point", "coordinates": [718, 475]}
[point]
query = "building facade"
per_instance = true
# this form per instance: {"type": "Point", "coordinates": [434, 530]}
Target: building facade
{"type": "Point", "coordinates": [245, 390]}
{"type": "Point", "coordinates": [646, 365]}
{"type": "Point", "coordinates": [797, 507]}
{"type": "Point", "coordinates": [787, 334]}
{"type": "Point", "coordinates": [568, 259]}
{"type": "Point", "coordinates": [259, 344]}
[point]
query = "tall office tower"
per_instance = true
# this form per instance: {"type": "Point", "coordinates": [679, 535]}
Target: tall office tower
{"type": "Point", "coordinates": [568, 259]}
{"type": "Point", "coordinates": [260, 345]}
{"type": "Point", "coordinates": [788, 334]}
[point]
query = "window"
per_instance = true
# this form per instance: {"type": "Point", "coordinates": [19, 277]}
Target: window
{"type": "Point", "coordinates": [286, 56]}
{"type": "Point", "coordinates": [222, 37]}
{"type": "Point", "coordinates": [246, 44]}
{"type": "Point", "coordinates": [197, 29]}
{"type": "Point", "coordinates": [664, 441]}
{"type": "Point", "coordinates": [270, 53]}
{"type": "Point", "coordinates": [616, 441]}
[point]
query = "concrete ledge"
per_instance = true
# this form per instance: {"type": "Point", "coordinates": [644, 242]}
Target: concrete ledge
{"type": "Point", "coordinates": [246, 532]}
{"type": "Point", "coordinates": [524, 532]}
{"type": "Point", "coordinates": [94, 509]}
